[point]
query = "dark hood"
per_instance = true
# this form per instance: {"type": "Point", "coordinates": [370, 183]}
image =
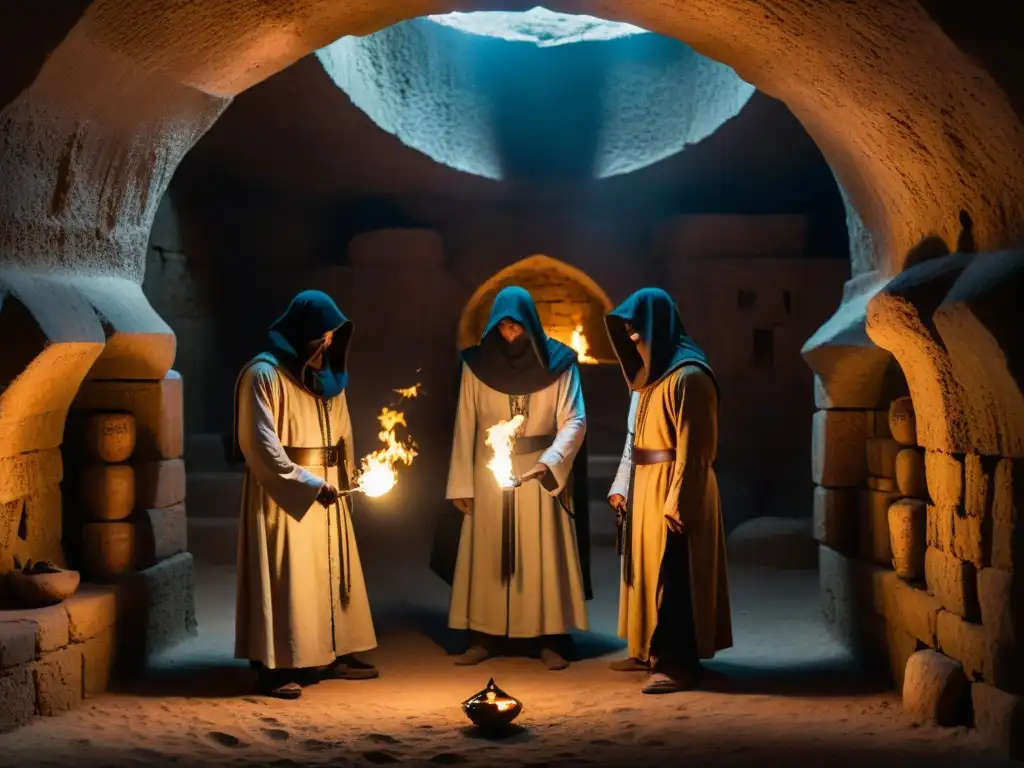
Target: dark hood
{"type": "Point", "coordinates": [666, 347]}
{"type": "Point", "coordinates": [310, 315]}
{"type": "Point", "coordinates": [529, 364]}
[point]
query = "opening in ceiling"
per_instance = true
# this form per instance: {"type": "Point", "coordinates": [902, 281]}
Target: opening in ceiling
{"type": "Point", "coordinates": [506, 96]}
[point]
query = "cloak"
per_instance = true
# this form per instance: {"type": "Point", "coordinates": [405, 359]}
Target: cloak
{"type": "Point", "coordinates": [666, 348]}
{"type": "Point", "coordinates": [310, 315]}
{"type": "Point", "coordinates": [531, 363]}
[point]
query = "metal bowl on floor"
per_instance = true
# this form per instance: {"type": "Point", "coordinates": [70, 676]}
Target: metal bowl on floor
{"type": "Point", "coordinates": [38, 590]}
{"type": "Point", "coordinates": [492, 709]}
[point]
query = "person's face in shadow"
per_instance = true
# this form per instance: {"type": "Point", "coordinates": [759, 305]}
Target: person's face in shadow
{"type": "Point", "coordinates": [318, 348]}
{"type": "Point", "coordinates": [510, 330]}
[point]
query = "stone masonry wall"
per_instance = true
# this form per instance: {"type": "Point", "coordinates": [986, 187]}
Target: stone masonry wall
{"type": "Point", "coordinates": [917, 552]}
{"type": "Point", "coordinates": [123, 527]}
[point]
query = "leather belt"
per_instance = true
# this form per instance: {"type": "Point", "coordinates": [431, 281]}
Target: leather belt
{"type": "Point", "coordinates": [331, 456]}
{"type": "Point", "coordinates": [532, 444]}
{"type": "Point", "coordinates": [646, 456]}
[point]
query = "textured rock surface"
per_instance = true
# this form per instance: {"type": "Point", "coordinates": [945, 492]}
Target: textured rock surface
{"type": "Point", "coordinates": [110, 437]}
{"type": "Point", "coordinates": [107, 492]}
{"type": "Point", "coordinates": [401, 77]}
{"type": "Point", "coordinates": [874, 544]}
{"type": "Point", "coordinates": [108, 550]}
{"type": "Point", "coordinates": [899, 320]}
{"type": "Point", "coordinates": [902, 424]}
{"type": "Point", "coordinates": [910, 474]}
{"type": "Point", "coordinates": [945, 478]}
{"type": "Point", "coordinates": [156, 406]}
{"type": "Point", "coordinates": [881, 457]}
{"type": "Point", "coordinates": [908, 525]}
{"type": "Point", "coordinates": [935, 690]}
{"type": "Point", "coordinates": [159, 534]}
{"type": "Point", "coordinates": [979, 322]}
{"type": "Point", "coordinates": [953, 582]}
{"type": "Point", "coordinates": [159, 483]}
{"type": "Point", "coordinates": [966, 643]}
{"type": "Point", "coordinates": [999, 716]}
{"type": "Point", "coordinates": [837, 445]}
{"type": "Point", "coordinates": [836, 512]}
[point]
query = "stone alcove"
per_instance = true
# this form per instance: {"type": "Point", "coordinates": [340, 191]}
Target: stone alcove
{"type": "Point", "coordinates": [567, 301]}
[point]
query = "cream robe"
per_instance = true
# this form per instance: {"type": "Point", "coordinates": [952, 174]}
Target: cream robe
{"type": "Point", "coordinates": [545, 595]}
{"type": "Point", "coordinates": [291, 611]}
{"type": "Point", "coordinates": [682, 413]}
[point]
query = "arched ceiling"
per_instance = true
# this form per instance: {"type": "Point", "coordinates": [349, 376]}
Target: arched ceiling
{"type": "Point", "coordinates": [537, 94]}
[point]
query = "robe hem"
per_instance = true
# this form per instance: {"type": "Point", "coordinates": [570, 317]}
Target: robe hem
{"type": "Point", "coordinates": [473, 627]}
{"type": "Point", "coordinates": [331, 660]}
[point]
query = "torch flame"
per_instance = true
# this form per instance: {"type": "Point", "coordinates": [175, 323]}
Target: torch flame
{"type": "Point", "coordinates": [499, 438]}
{"type": "Point", "coordinates": [377, 474]}
{"type": "Point", "coordinates": [580, 345]}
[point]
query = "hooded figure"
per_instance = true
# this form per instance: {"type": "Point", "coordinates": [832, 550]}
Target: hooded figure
{"type": "Point", "coordinates": [518, 570]}
{"type": "Point", "coordinates": [674, 598]}
{"type": "Point", "coordinates": [301, 598]}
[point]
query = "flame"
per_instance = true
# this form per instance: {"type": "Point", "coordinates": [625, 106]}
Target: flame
{"type": "Point", "coordinates": [409, 392]}
{"type": "Point", "coordinates": [499, 438]}
{"type": "Point", "coordinates": [377, 474]}
{"type": "Point", "coordinates": [579, 343]}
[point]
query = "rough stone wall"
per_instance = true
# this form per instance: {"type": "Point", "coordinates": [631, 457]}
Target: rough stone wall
{"type": "Point", "coordinates": [930, 556]}
{"type": "Point", "coordinates": [565, 298]}
{"type": "Point", "coordinates": [922, 139]}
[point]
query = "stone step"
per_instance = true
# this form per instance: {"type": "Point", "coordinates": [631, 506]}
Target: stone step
{"type": "Point", "coordinates": [206, 452]}
{"type": "Point", "coordinates": [213, 494]}
{"type": "Point", "coordinates": [213, 540]}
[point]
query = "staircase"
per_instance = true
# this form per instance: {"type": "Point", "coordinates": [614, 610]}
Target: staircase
{"type": "Point", "coordinates": [213, 500]}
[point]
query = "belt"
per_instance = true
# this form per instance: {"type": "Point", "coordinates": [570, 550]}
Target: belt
{"type": "Point", "coordinates": [646, 456]}
{"type": "Point", "coordinates": [532, 444]}
{"type": "Point", "coordinates": [331, 456]}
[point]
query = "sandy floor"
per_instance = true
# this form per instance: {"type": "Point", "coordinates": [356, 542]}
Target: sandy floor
{"type": "Point", "coordinates": [785, 696]}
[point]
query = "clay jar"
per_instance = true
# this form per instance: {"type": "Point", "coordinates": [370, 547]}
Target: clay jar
{"type": "Point", "coordinates": [108, 550]}
{"type": "Point", "coordinates": [110, 437]}
{"type": "Point", "coordinates": [107, 492]}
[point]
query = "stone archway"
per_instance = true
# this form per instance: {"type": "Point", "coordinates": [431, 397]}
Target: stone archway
{"type": "Point", "coordinates": [567, 299]}
{"type": "Point", "coordinates": [926, 143]}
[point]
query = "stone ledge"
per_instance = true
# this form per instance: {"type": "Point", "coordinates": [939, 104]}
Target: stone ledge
{"type": "Point", "coordinates": [52, 658]}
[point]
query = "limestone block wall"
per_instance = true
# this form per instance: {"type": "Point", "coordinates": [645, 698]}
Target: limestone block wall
{"type": "Point", "coordinates": [53, 658]}
{"type": "Point", "coordinates": [925, 571]}
{"type": "Point", "coordinates": [566, 298]}
{"type": "Point", "coordinates": [123, 525]}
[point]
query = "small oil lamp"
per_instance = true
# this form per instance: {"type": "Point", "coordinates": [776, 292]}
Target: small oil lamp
{"type": "Point", "coordinates": [492, 708]}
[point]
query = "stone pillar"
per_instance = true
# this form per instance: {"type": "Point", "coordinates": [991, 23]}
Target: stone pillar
{"type": "Point", "coordinates": [127, 445]}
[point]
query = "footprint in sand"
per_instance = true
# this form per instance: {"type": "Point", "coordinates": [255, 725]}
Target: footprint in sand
{"type": "Point", "coordinates": [276, 734]}
{"type": "Point", "coordinates": [449, 758]}
{"type": "Point", "coordinates": [319, 745]}
{"type": "Point", "coordinates": [381, 757]}
{"type": "Point", "coordinates": [382, 738]}
{"type": "Point", "coordinates": [150, 755]}
{"type": "Point", "coordinates": [225, 739]}
{"type": "Point", "coordinates": [602, 743]}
